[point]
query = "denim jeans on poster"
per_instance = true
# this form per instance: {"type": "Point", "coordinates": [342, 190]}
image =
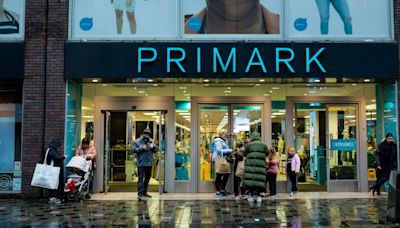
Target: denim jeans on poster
{"type": "Point", "coordinates": [341, 7]}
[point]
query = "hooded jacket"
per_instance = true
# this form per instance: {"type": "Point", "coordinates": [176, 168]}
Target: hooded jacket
{"type": "Point", "coordinates": [254, 169]}
{"type": "Point", "coordinates": [220, 148]}
{"type": "Point", "coordinates": [386, 156]}
{"type": "Point", "coordinates": [144, 156]}
{"type": "Point", "coordinates": [53, 154]}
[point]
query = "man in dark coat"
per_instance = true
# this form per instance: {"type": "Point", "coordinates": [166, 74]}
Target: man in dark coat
{"type": "Point", "coordinates": [56, 195]}
{"type": "Point", "coordinates": [144, 147]}
{"type": "Point", "coordinates": [254, 169]}
{"type": "Point", "coordinates": [386, 161]}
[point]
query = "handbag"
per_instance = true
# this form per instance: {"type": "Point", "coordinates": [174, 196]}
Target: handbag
{"type": "Point", "coordinates": [46, 176]}
{"type": "Point", "coordinates": [222, 165]}
{"type": "Point", "coordinates": [240, 169]}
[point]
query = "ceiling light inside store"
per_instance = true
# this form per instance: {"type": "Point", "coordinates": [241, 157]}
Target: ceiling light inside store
{"type": "Point", "coordinates": [373, 100]}
{"type": "Point", "coordinates": [150, 80]}
{"type": "Point", "coordinates": [278, 113]}
{"type": "Point", "coordinates": [353, 84]}
{"type": "Point", "coordinates": [262, 80]}
{"type": "Point", "coordinates": [141, 91]}
{"type": "Point", "coordinates": [206, 80]}
{"type": "Point", "coordinates": [257, 84]}
{"type": "Point", "coordinates": [270, 91]}
{"type": "Point", "coordinates": [149, 113]}
{"type": "Point", "coordinates": [104, 85]}
{"type": "Point", "coordinates": [275, 88]}
{"type": "Point", "coordinates": [367, 80]}
{"type": "Point", "coordinates": [88, 117]}
{"type": "Point", "coordinates": [317, 80]}
{"type": "Point", "coordinates": [182, 87]}
{"type": "Point", "coordinates": [95, 80]}
{"type": "Point", "coordinates": [228, 91]}
{"type": "Point", "coordinates": [155, 85]}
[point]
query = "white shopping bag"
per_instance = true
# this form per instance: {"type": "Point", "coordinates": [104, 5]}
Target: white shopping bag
{"type": "Point", "coordinates": [46, 176]}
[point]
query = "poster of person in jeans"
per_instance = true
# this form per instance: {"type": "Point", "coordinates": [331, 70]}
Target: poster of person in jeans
{"type": "Point", "coordinates": [339, 19]}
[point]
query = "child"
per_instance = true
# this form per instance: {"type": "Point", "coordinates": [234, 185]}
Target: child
{"type": "Point", "coordinates": [292, 168]}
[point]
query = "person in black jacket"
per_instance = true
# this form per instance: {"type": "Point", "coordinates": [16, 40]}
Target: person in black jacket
{"type": "Point", "coordinates": [56, 195]}
{"type": "Point", "coordinates": [386, 161]}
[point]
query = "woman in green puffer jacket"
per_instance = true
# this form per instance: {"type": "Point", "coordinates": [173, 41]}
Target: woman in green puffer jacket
{"type": "Point", "coordinates": [254, 170]}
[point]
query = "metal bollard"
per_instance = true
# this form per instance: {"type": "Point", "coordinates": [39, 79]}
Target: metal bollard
{"type": "Point", "coordinates": [393, 209]}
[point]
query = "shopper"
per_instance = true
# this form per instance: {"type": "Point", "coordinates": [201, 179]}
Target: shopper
{"type": "Point", "coordinates": [87, 150]}
{"type": "Point", "coordinates": [272, 167]}
{"type": "Point", "coordinates": [254, 171]}
{"type": "Point", "coordinates": [239, 159]}
{"type": "Point", "coordinates": [144, 147]}
{"type": "Point", "coordinates": [221, 150]}
{"type": "Point", "coordinates": [55, 195]}
{"type": "Point", "coordinates": [386, 161]}
{"type": "Point", "coordinates": [292, 168]}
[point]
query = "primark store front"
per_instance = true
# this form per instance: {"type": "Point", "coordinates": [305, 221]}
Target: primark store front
{"type": "Point", "coordinates": [319, 77]}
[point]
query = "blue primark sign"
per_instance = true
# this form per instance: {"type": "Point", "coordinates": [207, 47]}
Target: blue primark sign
{"type": "Point", "coordinates": [229, 60]}
{"type": "Point", "coordinates": [282, 57]}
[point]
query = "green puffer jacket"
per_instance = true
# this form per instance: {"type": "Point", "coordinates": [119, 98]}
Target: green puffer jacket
{"type": "Point", "coordinates": [254, 169]}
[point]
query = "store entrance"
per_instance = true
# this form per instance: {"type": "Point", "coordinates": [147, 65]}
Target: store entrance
{"type": "Point", "coordinates": [239, 121]}
{"type": "Point", "coordinates": [326, 136]}
{"type": "Point", "coordinates": [121, 130]}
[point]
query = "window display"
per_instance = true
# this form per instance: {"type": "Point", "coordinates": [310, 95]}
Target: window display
{"type": "Point", "coordinates": [12, 19]}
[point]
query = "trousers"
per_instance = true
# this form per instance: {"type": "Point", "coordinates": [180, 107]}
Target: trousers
{"type": "Point", "coordinates": [341, 7]}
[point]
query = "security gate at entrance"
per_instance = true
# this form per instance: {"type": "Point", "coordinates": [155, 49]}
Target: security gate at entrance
{"type": "Point", "coordinates": [329, 134]}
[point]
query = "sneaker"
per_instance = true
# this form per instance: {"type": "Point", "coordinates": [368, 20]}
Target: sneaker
{"type": "Point", "coordinates": [54, 200]}
{"type": "Point", "coordinates": [262, 194]}
{"type": "Point", "coordinates": [147, 195]}
{"type": "Point", "coordinates": [250, 199]}
{"type": "Point", "coordinates": [259, 199]}
{"type": "Point", "coordinates": [271, 197]}
{"type": "Point", "coordinates": [226, 193]}
{"type": "Point", "coordinates": [291, 194]}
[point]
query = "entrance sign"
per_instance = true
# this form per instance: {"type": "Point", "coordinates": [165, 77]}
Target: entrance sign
{"type": "Point", "coordinates": [343, 144]}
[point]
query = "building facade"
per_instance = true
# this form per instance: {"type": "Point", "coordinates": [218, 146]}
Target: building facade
{"type": "Point", "coordinates": [324, 81]}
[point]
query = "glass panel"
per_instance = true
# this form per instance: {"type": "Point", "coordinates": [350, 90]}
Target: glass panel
{"type": "Point", "coordinates": [212, 120]}
{"type": "Point", "coordinates": [278, 140]}
{"type": "Point", "coordinates": [372, 131]}
{"type": "Point", "coordinates": [182, 141]}
{"type": "Point", "coordinates": [246, 120]}
{"type": "Point", "coordinates": [107, 148]}
{"type": "Point", "coordinates": [310, 144]}
{"type": "Point", "coordinates": [125, 129]}
{"type": "Point", "coordinates": [74, 119]}
{"type": "Point", "coordinates": [162, 145]}
{"type": "Point", "coordinates": [342, 121]}
{"type": "Point", "coordinates": [10, 141]}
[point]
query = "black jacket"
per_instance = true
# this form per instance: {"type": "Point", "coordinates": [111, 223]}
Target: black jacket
{"type": "Point", "coordinates": [53, 154]}
{"type": "Point", "coordinates": [386, 156]}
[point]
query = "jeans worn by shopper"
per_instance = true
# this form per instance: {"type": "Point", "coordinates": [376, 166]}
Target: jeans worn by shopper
{"type": "Point", "coordinates": [144, 178]}
{"type": "Point", "coordinates": [341, 7]}
{"type": "Point", "coordinates": [293, 180]}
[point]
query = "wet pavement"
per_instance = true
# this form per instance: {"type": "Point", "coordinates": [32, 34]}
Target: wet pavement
{"type": "Point", "coordinates": [368, 212]}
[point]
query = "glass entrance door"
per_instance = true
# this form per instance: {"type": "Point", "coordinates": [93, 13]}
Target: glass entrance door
{"type": "Point", "coordinates": [342, 129]}
{"type": "Point", "coordinates": [238, 121]}
{"type": "Point", "coordinates": [325, 138]}
{"type": "Point", "coordinates": [121, 130]}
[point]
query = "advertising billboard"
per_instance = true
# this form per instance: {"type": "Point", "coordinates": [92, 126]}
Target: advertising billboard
{"type": "Point", "coordinates": [124, 19]}
{"type": "Point", "coordinates": [12, 19]}
{"type": "Point", "coordinates": [244, 17]}
{"type": "Point", "coordinates": [339, 19]}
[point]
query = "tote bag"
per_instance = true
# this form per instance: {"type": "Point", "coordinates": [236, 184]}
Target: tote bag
{"type": "Point", "coordinates": [46, 176]}
{"type": "Point", "coordinates": [240, 169]}
{"type": "Point", "coordinates": [222, 165]}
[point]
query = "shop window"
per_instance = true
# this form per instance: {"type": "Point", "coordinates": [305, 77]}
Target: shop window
{"type": "Point", "coordinates": [278, 136]}
{"type": "Point", "coordinates": [10, 141]}
{"type": "Point", "coordinates": [182, 141]}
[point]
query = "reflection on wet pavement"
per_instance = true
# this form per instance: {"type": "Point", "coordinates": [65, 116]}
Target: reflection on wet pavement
{"type": "Point", "coordinates": [229, 213]}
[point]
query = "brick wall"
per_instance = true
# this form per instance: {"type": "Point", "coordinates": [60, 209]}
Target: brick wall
{"type": "Point", "coordinates": [44, 86]}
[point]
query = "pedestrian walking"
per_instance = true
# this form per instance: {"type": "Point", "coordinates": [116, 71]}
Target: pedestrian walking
{"type": "Point", "coordinates": [145, 148]}
{"type": "Point", "coordinates": [292, 168]}
{"type": "Point", "coordinates": [386, 161]}
{"type": "Point", "coordinates": [221, 151]}
{"type": "Point", "coordinates": [272, 168]}
{"type": "Point", "coordinates": [254, 171]}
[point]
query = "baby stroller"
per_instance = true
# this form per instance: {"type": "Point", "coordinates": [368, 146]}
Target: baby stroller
{"type": "Point", "coordinates": [79, 181]}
